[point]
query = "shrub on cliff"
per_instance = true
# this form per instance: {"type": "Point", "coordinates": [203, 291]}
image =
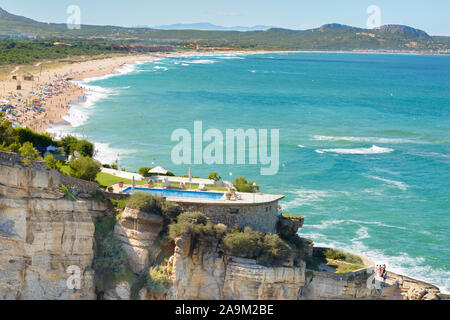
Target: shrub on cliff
{"type": "Point", "coordinates": [171, 210]}
{"type": "Point", "coordinates": [268, 249]}
{"type": "Point", "coordinates": [246, 244]}
{"type": "Point", "coordinates": [158, 282]}
{"type": "Point", "coordinates": [109, 257]}
{"type": "Point", "coordinates": [28, 151]}
{"type": "Point", "coordinates": [51, 163]}
{"type": "Point", "coordinates": [196, 224]}
{"type": "Point", "coordinates": [84, 168]}
{"type": "Point", "coordinates": [275, 250]}
{"type": "Point", "coordinates": [149, 203]}
{"type": "Point", "coordinates": [145, 202]}
{"type": "Point", "coordinates": [335, 254]}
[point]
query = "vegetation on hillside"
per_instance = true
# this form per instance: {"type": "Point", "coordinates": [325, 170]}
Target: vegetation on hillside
{"type": "Point", "coordinates": [27, 51]}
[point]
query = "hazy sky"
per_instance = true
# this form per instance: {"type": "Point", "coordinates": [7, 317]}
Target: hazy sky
{"type": "Point", "coordinates": [433, 16]}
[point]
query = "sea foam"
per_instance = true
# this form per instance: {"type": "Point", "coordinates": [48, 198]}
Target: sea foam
{"type": "Point", "coordinates": [367, 139]}
{"type": "Point", "coordinates": [373, 150]}
{"type": "Point", "coordinates": [398, 184]}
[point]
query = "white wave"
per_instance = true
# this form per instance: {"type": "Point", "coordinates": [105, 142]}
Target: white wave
{"type": "Point", "coordinates": [79, 111]}
{"type": "Point", "coordinates": [398, 184]}
{"type": "Point", "coordinates": [184, 64]}
{"type": "Point", "coordinates": [401, 263]}
{"type": "Point", "coordinates": [108, 155]}
{"type": "Point", "coordinates": [301, 146]}
{"type": "Point", "coordinates": [325, 224]}
{"type": "Point", "coordinates": [375, 223]}
{"type": "Point", "coordinates": [303, 197]}
{"type": "Point", "coordinates": [367, 139]}
{"type": "Point", "coordinates": [231, 57]}
{"type": "Point", "coordinates": [362, 233]}
{"type": "Point", "coordinates": [161, 68]}
{"type": "Point", "coordinates": [203, 61]}
{"type": "Point", "coordinates": [373, 150]}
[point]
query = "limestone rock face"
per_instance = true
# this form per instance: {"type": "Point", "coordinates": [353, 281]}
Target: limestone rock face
{"type": "Point", "coordinates": [325, 285]}
{"type": "Point", "coordinates": [138, 230]}
{"type": "Point", "coordinates": [245, 279]}
{"type": "Point", "coordinates": [120, 291]}
{"type": "Point", "coordinates": [202, 271]}
{"type": "Point", "coordinates": [198, 270]}
{"type": "Point", "coordinates": [41, 235]}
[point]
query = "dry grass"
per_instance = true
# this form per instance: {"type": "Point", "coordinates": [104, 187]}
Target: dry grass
{"type": "Point", "coordinates": [5, 71]}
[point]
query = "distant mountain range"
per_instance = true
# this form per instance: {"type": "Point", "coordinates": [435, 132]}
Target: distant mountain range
{"type": "Point", "coordinates": [209, 26]}
{"type": "Point", "coordinates": [328, 37]}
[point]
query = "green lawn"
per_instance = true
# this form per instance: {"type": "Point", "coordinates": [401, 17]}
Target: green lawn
{"type": "Point", "coordinates": [106, 179]}
{"type": "Point", "coordinates": [344, 268]}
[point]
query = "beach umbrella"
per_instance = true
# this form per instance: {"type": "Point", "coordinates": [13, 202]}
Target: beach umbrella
{"type": "Point", "coordinates": [133, 185]}
{"type": "Point", "coordinates": [158, 170]}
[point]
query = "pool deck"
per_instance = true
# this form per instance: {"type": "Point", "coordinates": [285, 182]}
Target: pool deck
{"type": "Point", "coordinates": [246, 198]}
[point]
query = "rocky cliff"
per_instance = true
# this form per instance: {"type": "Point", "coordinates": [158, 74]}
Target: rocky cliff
{"type": "Point", "coordinates": [42, 234]}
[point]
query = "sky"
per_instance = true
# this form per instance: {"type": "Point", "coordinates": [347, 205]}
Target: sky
{"type": "Point", "coordinates": [432, 16]}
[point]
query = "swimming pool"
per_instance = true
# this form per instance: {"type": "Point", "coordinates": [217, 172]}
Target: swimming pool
{"type": "Point", "coordinates": [177, 193]}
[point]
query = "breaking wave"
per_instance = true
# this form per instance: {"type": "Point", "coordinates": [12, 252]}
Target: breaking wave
{"type": "Point", "coordinates": [367, 139]}
{"type": "Point", "coordinates": [373, 150]}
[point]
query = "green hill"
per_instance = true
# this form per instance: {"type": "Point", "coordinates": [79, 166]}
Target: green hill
{"type": "Point", "coordinates": [327, 37]}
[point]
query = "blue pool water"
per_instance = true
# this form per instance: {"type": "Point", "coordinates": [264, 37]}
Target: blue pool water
{"type": "Point", "coordinates": [364, 140]}
{"type": "Point", "coordinates": [178, 193]}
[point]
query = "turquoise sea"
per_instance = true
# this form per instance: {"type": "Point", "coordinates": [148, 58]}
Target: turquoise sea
{"type": "Point", "coordinates": [364, 140]}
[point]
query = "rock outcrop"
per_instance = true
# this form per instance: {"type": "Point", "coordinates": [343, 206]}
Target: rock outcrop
{"type": "Point", "coordinates": [42, 234]}
{"type": "Point", "coordinates": [138, 231]}
{"type": "Point", "coordinates": [202, 271]}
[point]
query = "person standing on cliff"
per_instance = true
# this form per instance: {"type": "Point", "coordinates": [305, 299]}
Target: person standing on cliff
{"type": "Point", "coordinates": [384, 272]}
